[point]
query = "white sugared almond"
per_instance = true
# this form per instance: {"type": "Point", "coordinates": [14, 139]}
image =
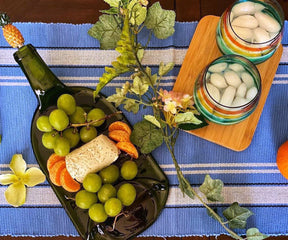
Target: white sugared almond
{"type": "Point", "coordinates": [261, 35]}
{"type": "Point", "coordinates": [232, 78]}
{"type": "Point", "coordinates": [241, 90]}
{"type": "Point", "coordinates": [228, 96]}
{"type": "Point", "coordinates": [245, 21]}
{"type": "Point", "coordinates": [247, 79]}
{"type": "Point", "coordinates": [213, 91]}
{"type": "Point", "coordinates": [251, 93]}
{"type": "Point", "coordinates": [244, 33]}
{"type": "Point", "coordinates": [246, 8]}
{"type": "Point", "coordinates": [218, 80]}
{"type": "Point", "coordinates": [267, 22]}
{"type": "Point", "coordinates": [239, 101]}
{"type": "Point", "coordinates": [218, 67]}
{"type": "Point", "coordinates": [236, 67]}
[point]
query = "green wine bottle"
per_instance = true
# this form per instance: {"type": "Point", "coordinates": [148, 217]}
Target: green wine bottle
{"type": "Point", "coordinates": [43, 81]}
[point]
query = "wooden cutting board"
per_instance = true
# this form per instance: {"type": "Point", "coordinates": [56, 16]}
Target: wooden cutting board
{"type": "Point", "coordinates": [203, 50]}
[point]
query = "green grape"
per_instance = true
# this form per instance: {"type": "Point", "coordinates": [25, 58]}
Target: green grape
{"type": "Point", "coordinates": [62, 146]}
{"type": "Point", "coordinates": [85, 199]}
{"type": "Point", "coordinates": [105, 192]}
{"type": "Point", "coordinates": [92, 182]}
{"type": "Point", "coordinates": [97, 213]}
{"type": "Point", "coordinates": [88, 133]}
{"type": "Point", "coordinates": [59, 119]}
{"type": "Point", "coordinates": [109, 174]}
{"type": "Point", "coordinates": [129, 170]}
{"type": "Point", "coordinates": [49, 139]}
{"type": "Point", "coordinates": [95, 114]}
{"type": "Point", "coordinates": [43, 124]}
{"type": "Point", "coordinates": [72, 135]}
{"type": "Point", "coordinates": [67, 103]}
{"type": "Point", "coordinates": [127, 194]}
{"type": "Point", "coordinates": [78, 116]}
{"type": "Point", "coordinates": [113, 207]}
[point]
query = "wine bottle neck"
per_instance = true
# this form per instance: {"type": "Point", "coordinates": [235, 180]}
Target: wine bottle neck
{"type": "Point", "coordinates": [41, 79]}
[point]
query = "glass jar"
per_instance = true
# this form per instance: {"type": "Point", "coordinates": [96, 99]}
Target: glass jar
{"type": "Point", "coordinates": [227, 91]}
{"type": "Point", "coordinates": [251, 28]}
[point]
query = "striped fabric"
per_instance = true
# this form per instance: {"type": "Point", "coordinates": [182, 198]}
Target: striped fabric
{"type": "Point", "coordinates": [251, 177]}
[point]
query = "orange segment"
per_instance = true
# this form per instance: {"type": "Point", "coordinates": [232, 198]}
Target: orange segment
{"type": "Point", "coordinates": [119, 135]}
{"type": "Point", "coordinates": [55, 172]}
{"type": "Point", "coordinates": [129, 148]}
{"type": "Point", "coordinates": [118, 125]}
{"type": "Point", "coordinates": [53, 159]}
{"type": "Point", "coordinates": [282, 159]}
{"type": "Point", "coordinates": [68, 183]}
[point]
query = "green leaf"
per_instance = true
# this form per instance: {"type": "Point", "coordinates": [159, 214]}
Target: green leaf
{"type": "Point", "coordinates": [107, 31]}
{"type": "Point", "coordinates": [139, 86]}
{"type": "Point", "coordinates": [160, 21]}
{"type": "Point", "coordinates": [146, 136]}
{"type": "Point", "coordinates": [187, 117]}
{"type": "Point", "coordinates": [140, 54]}
{"type": "Point", "coordinates": [111, 11]}
{"type": "Point", "coordinates": [137, 12]}
{"type": "Point", "coordinates": [254, 234]}
{"type": "Point", "coordinates": [164, 69]}
{"type": "Point", "coordinates": [113, 3]}
{"type": "Point", "coordinates": [192, 126]}
{"type": "Point", "coordinates": [124, 61]}
{"type": "Point", "coordinates": [184, 185]}
{"type": "Point", "coordinates": [237, 216]}
{"type": "Point", "coordinates": [131, 106]}
{"type": "Point", "coordinates": [212, 189]}
{"type": "Point", "coordinates": [153, 120]}
{"type": "Point", "coordinates": [116, 98]}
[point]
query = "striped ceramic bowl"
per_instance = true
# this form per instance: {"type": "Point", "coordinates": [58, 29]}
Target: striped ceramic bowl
{"type": "Point", "coordinates": [251, 28]}
{"type": "Point", "coordinates": [227, 91]}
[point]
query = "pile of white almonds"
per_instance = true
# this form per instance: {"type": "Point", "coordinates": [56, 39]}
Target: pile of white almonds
{"type": "Point", "coordinates": [252, 24]}
{"type": "Point", "coordinates": [230, 84]}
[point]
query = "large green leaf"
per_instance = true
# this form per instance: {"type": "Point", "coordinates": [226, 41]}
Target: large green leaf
{"type": "Point", "coordinates": [160, 21]}
{"type": "Point", "coordinates": [146, 136]}
{"type": "Point", "coordinates": [237, 216]}
{"type": "Point", "coordinates": [254, 234]}
{"type": "Point", "coordinates": [107, 30]}
{"type": "Point", "coordinates": [212, 188]}
{"type": "Point", "coordinates": [137, 12]}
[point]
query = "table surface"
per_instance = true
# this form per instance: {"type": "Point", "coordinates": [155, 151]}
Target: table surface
{"type": "Point", "coordinates": [87, 11]}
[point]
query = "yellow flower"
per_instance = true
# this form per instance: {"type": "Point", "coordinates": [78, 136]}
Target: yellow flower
{"type": "Point", "coordinates": [170, 107]}
{"type": "Point", "coordinates": [15, 194]}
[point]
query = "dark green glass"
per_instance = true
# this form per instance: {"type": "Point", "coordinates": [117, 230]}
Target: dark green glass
{"type": "Point", "coordinates": [151, 183]}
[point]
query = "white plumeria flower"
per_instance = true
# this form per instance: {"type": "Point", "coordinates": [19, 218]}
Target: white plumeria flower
{"type": "Point", "coordinates": [15, 194]}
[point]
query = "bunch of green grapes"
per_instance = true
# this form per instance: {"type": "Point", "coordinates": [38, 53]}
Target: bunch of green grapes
{"type": "Point", "coordinates": [59, 133]}
{"type": "Point", "coordinates": [100, 196]}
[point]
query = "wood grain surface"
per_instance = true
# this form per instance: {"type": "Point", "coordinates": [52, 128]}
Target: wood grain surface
{"type": "Point", "coordinates": [238, 136]}
{"type": "Point", "coordinates": [87, 11]}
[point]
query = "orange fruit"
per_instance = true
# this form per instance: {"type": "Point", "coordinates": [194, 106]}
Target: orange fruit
{"type": "Point", "coordinates": [53, 159]}
{"type": "Point", "coordinates": [119, 136]}
{"type": "Point", "coordinates": [118, 125]}
{"type": "Point", "coordinates": [68, 183]}
{"type": "Point", "coordinates": [129, 148]}
{"type": "Point", "coordinates": [55, 172]}
{"type": "Point", "coordinates": [282, 159]}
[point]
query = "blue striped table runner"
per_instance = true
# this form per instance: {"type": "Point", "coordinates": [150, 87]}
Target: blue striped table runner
{"type": "Point", "coordinates": [251, 177]}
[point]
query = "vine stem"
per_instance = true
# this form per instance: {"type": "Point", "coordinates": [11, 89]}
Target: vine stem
{"type": "Point", "coordinates": [213, 213]}
{"type": "Point", "coordinates": [94, 121]}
